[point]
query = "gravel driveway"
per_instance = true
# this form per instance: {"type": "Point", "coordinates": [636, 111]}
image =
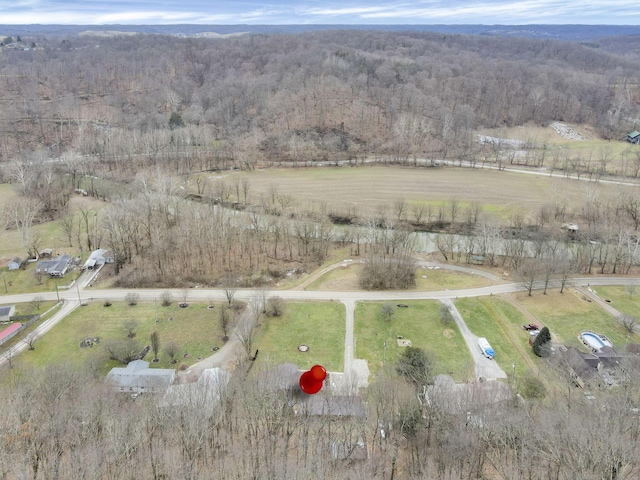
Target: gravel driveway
{"type": "Point", "coordinates": [485, 368]}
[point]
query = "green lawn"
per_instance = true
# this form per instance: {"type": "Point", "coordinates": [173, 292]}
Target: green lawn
{"type": "Point", "coordinates": [568, 314]}
{"type": "Point", "coordinates": [320, 325]}
{"type": "Point", "coordinates": [501, 324]}
{"type": "Point", "coordinates": [419, 323]}
{"type": "Point", "coordinates": [624, 299]}
{"type": "Point", "coordinates": [195, 329]}
{"type": "Point", "coordinates": [443, 279]}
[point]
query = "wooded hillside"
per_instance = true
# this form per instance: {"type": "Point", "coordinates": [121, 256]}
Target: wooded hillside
{"type": "Point", "coordinates": [311, 96]}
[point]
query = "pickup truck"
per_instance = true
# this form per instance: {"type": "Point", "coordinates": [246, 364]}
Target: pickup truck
{"type": "Point", "coordinates": [486, 348]}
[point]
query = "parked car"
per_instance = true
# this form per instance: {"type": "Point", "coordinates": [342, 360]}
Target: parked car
{"type": "Point", "coordinates": [531, 326]}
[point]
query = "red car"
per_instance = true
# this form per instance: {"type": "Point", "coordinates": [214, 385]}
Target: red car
{"type": "Point", "coordinates": [531, 326]}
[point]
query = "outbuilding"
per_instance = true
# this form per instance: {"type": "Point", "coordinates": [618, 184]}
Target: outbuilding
{"type": "Point", "coordinates": [15, 263]}
{"type": "Point", "coordinates": [7, 312]}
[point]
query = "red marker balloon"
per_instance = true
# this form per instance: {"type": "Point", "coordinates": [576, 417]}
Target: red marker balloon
{"type": "Point", "coordinates": [311, 380]}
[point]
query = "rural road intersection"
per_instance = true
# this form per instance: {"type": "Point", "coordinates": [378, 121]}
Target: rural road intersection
{"type": "Point", "coordinates": [355, 370]}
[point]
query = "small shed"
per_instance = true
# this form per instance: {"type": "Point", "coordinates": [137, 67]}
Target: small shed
{"type": "Point", "coordinates": [15, 263]}
{"type": "Point", "coordinates": [7, 312]}
{"type": "Point", "coordinates": [634, 137]}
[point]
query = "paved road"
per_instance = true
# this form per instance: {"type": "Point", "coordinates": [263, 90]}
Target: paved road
{"type": "Point", "coordinates": [356, 370]}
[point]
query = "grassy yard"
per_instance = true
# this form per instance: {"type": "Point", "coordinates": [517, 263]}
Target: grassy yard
{"type": "Point", "coordinates": [623, 299]}
{"type": "Point", "coordinates": [320, 325]}
{"type": "Point", "coordinates": [419, 323]}
{"type": "Point", "coordinates": [568, 314]}
{"type": "Point", "coordinates": [501, 323]}
{"type": "Point", "coordinates": [346, 279]}
{"type": "Point", "coordinates": [444, 279]}
{"type": "Point", "coordinates": [195, 329]}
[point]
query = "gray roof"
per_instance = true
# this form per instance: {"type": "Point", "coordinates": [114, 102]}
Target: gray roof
{"type": "Point", "coordinates": [57, 266]}
{"type": "Point", "coordinates": [6, 311]}
{"type": "Point", "coordinates": [462, 397]}
{"type": "Point", "coordinates": [138, 375]}
{"type": "Point", "coordinates": [334, 405]}
{"type": "Point", "coordinates": [206, 392]}
{"type": "Point", "coordinates": [97, 256]}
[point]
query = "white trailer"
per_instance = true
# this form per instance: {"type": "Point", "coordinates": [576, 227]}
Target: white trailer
{"type": "Point", "coordinates": [486, 348]}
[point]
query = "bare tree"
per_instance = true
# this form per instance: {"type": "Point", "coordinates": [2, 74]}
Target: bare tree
{"type": "Point", "coordinates": [31, 339]}
{"type": "Point", "coordinates": [224, 314]}
{"type": "Point", "coordinates": [528, 272]}
{"type": "Point", "coordinates": [230, 286]}
{"type": "Point", "coordinates": [132, 298]}
{"type": "Point", "coordinates": [8, 356]}
{"type": "Point", "coordinates": [165, 297]}
{"type": "Point", "coordinates": [275, 306]}
{"type": "Point", "coordinates": [155, 344]}
{"type": "Point", "coordinates": [629, 322]}
{"type": "Point", "coordinates": [388, 310]}
{"type": "Point", "coordinates": [36, 302]}
{"type": "Point", "coordinates": [130, 326]}
{"type": "Point", "coordinates": [172, 349]}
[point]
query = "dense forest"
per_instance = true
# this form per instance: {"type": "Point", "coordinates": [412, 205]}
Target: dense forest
{"type": "Point", "coordinates": [312, 96]}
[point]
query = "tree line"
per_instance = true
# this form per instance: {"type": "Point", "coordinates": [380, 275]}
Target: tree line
{"type": "Point", "coordinates": [60, 422]}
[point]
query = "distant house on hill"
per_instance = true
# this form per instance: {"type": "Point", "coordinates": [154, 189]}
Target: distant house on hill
{"type": "Point", "coordinates": [15, 263]}
{"type": "Point", "coordinates": [634, 137]}
{"type": "Point", "coordinates": [137, 377]}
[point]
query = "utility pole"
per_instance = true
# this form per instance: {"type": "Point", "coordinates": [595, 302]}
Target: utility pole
{"type": "Point", "coordinates": [78, 288]}
{"type": "Point", "coordinates": [5, 282]}
{"type": "Point", "coordinates": [57, 293]}
{"type": "Point", "coordinates": [155, 304]}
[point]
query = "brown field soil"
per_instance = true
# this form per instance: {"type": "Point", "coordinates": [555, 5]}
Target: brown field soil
{"type": "Point", "coordinates": [367, 189]}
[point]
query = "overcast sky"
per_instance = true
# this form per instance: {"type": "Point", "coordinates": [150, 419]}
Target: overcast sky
{"type": "Point", "coordinates": [228, 12]}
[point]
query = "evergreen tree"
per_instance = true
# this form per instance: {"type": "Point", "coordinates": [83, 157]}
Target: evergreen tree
{"type": "Point", "coordinates": [175, 121]}
{"type": "Point", "coordinates": [542, 343]}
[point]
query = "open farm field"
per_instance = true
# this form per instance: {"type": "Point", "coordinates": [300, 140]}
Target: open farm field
{"type": "Point", "coordinates": [319, 325]}
{"type": "Point", "coordinates": [367, 189]}
{"type": "Point", "coordinates": [419, 323]}
{"type": "Point", "coordinates": [568, 314]}
{"type": "Point", "coordinates": [501, 323]}
{"type": "Point", "coordinates": [195, 329]}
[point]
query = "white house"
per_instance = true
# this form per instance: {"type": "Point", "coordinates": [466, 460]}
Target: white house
{"type": "Point", "coordinates": [137, 377]}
